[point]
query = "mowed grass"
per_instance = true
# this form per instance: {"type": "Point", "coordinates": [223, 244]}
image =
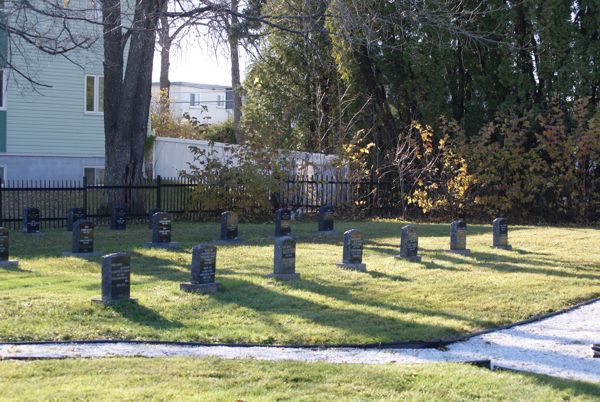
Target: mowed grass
{"type": "Point", "coordinates": [48, 296]}
{"type": "Point", "coordinates": [186, 379]}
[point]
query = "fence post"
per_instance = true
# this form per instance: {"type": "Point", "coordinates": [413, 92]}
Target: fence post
{"type": "Point", "coordinates": [158, 192]}
{"type": "Point", "coordinates": [84, 186]}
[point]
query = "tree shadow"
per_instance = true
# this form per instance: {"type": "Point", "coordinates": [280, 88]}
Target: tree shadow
{"type": "Point", "coordinates": [573, 388]}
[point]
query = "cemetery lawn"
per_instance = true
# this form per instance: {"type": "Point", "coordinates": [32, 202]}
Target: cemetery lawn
{"type": "Point", "coordinates": [135, 379]}
{"type": "Point", "coordinates": [446, 295]}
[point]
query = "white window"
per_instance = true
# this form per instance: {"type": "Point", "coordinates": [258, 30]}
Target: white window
{"type": "Point", "coordinates": [221, 101]}
{"type": "Point", "coordinates": [94, 94]}
{"type": "Point", "coordinates": [3, 75]}
{"type": "Point", "coordinates": [94, 176]}
{"type": "Point", "coordinates": [195, 100]}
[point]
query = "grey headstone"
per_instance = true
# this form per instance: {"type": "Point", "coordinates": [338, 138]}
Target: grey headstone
{"type": "Point", "coordinates": [4, 248]}
{"type": "Point", "coordinates": [161, 227]}
{"type": "Point", "coordinates": [500, 234]}
{"type": "Point", "coordinates": [283, 222]}
{"type": "Point", "coordinates": [353, 251]}
{"type": "Point", "coordinates": [83, 237]}
{"type": "Point", "coordinates": [151, 213]}
{"type": "Point", "coordinates": [73, 215]}
{"type": "Point", "coordinates": [409, 244]}
{"type": "Point", "coordinates": [118, 218]}
{"type": "Point", "coordinates": [31, 220]}
{"type": "Point", "coordinates": [325, 218]}
{"type": "Point", "coordinates": [285, 259]}
{"type": "Point", "coordinates": [458, 237]}
{"type": "Point", "coordinates": [202, 280]}
{"type": "Point", "coordinates": [229, 225]}
{"type": "Point", "coordinates": [116, 278]}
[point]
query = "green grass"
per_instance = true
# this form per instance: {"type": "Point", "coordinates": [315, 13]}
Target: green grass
{"type": "Point", "coordinates": [48, 297]}
{"type": "Point", "coordinates": [182, 379]}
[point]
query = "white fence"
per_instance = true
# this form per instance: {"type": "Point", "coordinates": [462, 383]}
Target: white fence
{"type": "Point", "coordinates": [172, 155]}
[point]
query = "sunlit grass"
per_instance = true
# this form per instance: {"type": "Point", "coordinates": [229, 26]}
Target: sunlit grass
{"type": "Point", "coordinates": [179, 379]}
{"type": "Point", "coordinates": [48, 296]}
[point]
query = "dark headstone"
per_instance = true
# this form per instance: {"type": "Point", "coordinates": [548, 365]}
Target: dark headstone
{"type": "Point", "coordinates": [500, 234]}
{"type": "Point", "coordinates": [283, 222]}
{"type": "Point", "coordinates": [353, 251]}
{"type": "Point", "coordinates": [83, 237]}
{"type": "Point", "coordinates": [596, 350]}
{"type": "Point", "coordinates": [409, 244]}
{"type": "Point", "coordinates": [73, 215]}
{"type": "Point", "coordinates": [285, 259]}
{"type": "Point", "coordinates": [118, 218]}
{"type": "Point", "coordinates": [4, 249]}
{"type": "Point", "coordinates": [31, 220]}
{"type": "Point", "coordinates": [151, 213]}
{"type": "Point", "coordinates": [458, 237]}
{"type": "Point", "coordinates": [229, 226]}
{"type": "Point", "coordinates": [116, 278]}
{"type": "Point", "coordinates": [204, 259]}
{"type": "Point", "coordinates": [325, 218]}
{"type": "Point", "coordinates": [161, 232]}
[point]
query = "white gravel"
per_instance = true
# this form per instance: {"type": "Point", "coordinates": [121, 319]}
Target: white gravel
{"type": "Point", "coordinates": [558, 346]}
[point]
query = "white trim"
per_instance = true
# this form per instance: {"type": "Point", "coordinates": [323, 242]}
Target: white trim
{"type": "Point", "coordinates": [96, 95]}
{"type": "Point", "coordinates": [3, 167]}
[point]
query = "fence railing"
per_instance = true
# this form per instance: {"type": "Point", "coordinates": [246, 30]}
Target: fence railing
{"type": "Point", "coordinates": [174, 195]}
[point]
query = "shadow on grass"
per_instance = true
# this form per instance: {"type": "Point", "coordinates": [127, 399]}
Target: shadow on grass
{"type": "Point", "coordinates": [572, 387]}
{"type": "Point", "coordinates": [142, 315]}
{"type": "Point", "coordinates": [352, 319]}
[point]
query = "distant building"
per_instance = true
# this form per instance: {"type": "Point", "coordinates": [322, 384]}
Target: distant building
{"type": "Point", "coordinates": [209, 104]}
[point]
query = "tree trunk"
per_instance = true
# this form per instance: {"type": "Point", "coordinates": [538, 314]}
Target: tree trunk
{"type": "Point", "coordinates": [164, 40]}
{"type": "Point", "coordinates": [235, 73]}
{"type": "Point", "coordinates": [127, 89]}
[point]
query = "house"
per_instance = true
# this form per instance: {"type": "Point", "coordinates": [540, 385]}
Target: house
{"type": "Point", "coordinates": [209, 104]}
{"type": "Point", "coordinates": [52, 131]}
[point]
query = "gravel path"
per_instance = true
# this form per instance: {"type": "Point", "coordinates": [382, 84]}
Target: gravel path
{"type": "Point", "coordinates": [559, 346]}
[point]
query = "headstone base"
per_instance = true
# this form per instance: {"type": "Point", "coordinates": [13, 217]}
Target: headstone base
{"type": "Point", "coordinates": [231, 241]}
{"type": "Point", "coordinates": [503, 247]}
{"type": "Point", "coordinates": [98, 300]}
{"type": "Point", "coordinates": [416, 258]}
{"type": "Point", "coordinates": [285, 277]}
{"type": "Point", "coordinates": [200, 287]}
{"type": "Point", "coordinates": [461, 252]}
{"type": "Point", "coordinates": [82, 255]}
{"type": "Point", "coordinates": [34, 234]}
{"type": "Point", "coordinates": [327, 232]}
{"type": "Point", "coordinates": [9, 263]}
{"type": "Point", "coordinates": [353, 267]}
{"type": "Point", "coordinates": [170, 245]}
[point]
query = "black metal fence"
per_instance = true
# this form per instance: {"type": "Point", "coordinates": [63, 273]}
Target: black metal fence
{"type": "Point", "coordinates": [175, 195]}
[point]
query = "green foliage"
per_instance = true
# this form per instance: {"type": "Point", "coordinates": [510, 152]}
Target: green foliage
{"type": "Point", "coordinates": [244, 179]}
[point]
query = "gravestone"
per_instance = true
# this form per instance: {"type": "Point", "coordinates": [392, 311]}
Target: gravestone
{"type": "Point", "coordinates": [596, 350]}
{"type": "Point", "coordinates": [283, 222]}
{"type": "Point", "coordinates": [229, 226]}
{"type": "Point", "coordinates": [458, 237]}
{"type": "Point", "coordinates": [151, 213]}
{"type": "Point", "coordinates": [73, 215]}
{"type": "Point", "coordinates": [202, 280]}
{"type": "Point", "coordinates": [118, 218]}
{"type": "Point", "coordinates": [161, 232]}
{"type": "Point", "coordinates": [4, 247]}
{"type": "Point", "coordinates": [500, 234]}
{"type": "Point", "coordinates": [116, 279]}
{"type": "Point", "coordinates": [31, 221]}
{"type": "Point", "coordinates": [285, 259]}
{"type": "Point", "coordinates": [325, 218]}
{"type": "Point", "coordinates": [353, 251]}
{"type": "Point", "coordinates": [409, 244]}
{"type": "Point", "coordinates": [82, 239]}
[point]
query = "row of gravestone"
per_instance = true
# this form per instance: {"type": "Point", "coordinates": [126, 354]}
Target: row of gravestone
{"type": "Point", "coordinates": [229, 220]}
{"type": "Point", "coordinates": [116, 267]}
